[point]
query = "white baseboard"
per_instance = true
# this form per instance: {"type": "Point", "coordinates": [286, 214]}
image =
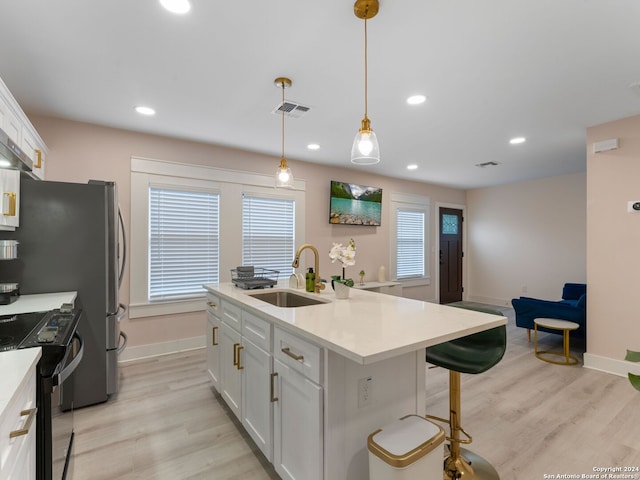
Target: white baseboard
{"type": "Point", "coordinates": [610, 365]}
{"type": "Point", "coordinates": [156, 349]}
{"type": "Point", "coordinates": [498, 302]}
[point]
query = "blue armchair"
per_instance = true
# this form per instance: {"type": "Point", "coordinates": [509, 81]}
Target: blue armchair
{"type": "Point", "coordinates": [572, 307]}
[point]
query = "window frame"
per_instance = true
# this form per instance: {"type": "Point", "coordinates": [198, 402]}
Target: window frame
{"type": "Point", "coordinates": [230, 184]}
{"type": "Point", "coordinates": [408, 202]}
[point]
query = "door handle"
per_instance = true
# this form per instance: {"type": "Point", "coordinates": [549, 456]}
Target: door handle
{"type": "Point", "coordinates": [235, 354]}
{"type": "Point", "coordinates": [27, 425]}
{"type": "Point", "coordinates": [214, 336]}
{"type": "Point", "coordinates": [288, 352]}
{"type": "Point", "coordinates": [240, 367]}
{"type": "Point", "coordinates": [273, 388]}
{"type": "Point", "coordinates": [10, 209]}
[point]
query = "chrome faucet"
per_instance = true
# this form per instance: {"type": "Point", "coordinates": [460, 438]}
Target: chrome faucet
{"type": "Point", "coordinates": [318, 285]}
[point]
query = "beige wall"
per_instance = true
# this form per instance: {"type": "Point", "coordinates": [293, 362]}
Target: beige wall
{"type": "Point", "coordinates": [613, 241]}
{"type": "Point", "coordinates": [78, 152]}
{"type": "Point", "coordinates": [526, 239]}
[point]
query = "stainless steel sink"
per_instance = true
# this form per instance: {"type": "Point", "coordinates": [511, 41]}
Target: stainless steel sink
{"type": "Point", "coordinates": [285, 299]}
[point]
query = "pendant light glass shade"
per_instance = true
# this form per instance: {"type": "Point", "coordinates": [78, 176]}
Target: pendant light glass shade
{"type": "Point", "coordinates": [365, 149]}
{"type": "Point", "coordinates": [284, 177]}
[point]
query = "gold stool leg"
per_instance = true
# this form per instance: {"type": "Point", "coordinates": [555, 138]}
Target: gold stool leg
{"type": "Point", "coordinates": [461, 463]}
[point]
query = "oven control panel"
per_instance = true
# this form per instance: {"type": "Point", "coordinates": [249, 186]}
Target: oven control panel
{"type": "Point", "coordinates": [55, 329]}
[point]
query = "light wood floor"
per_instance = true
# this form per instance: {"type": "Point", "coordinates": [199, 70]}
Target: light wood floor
{"type": "Point", "coordinates": [527, 417]}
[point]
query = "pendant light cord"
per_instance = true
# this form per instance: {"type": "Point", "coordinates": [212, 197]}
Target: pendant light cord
{"type": "Point", "coordinates": [365, 67]}
{"type": "Point", "coordinates": [282, 84]}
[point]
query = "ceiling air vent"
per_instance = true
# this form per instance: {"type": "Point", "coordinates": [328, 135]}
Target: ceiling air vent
{"type": "Point", "coordinates": [290, 109]}
{"type": "Point", "coordinates": [487, 164]}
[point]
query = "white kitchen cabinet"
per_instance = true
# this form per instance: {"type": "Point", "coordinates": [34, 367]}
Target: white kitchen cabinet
{"type": "Point", "coordinates": [18, 427]}
{"type": "Point", "coordinates": [9, 121]}
{"type": "Point", "coordinates": [35, 150]}
{"type": "Point", "coordinates": [9, 199]}
{"type": "Point", "coordinates": [231, 369]}
{"type": "Point", "coordinates": [213, 349]}
{"type": "Point", "coordinates": [298, 439]}
{"type": "Point", "coordinates": [279, 403]}
{"type": "Point", "coordinates": [213, 330]}
{"type": "Point", "coordinates": [16, 124]}
{"type": "Point", "coordinates": [257, 391]}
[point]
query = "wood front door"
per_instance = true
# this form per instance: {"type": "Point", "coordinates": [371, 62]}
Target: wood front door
{"type": "Point", "coordinates": [450, 255]}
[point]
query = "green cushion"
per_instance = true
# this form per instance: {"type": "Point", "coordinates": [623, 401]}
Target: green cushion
{"type": "Point", "coordinates": [475, 353]}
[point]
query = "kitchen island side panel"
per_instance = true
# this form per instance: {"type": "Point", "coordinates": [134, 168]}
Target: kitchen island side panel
{"type": "Point", "coordinates": [396, 389]}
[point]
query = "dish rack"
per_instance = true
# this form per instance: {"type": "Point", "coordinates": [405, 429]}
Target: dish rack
{"type": "Point", "coordinates": [249, 277]}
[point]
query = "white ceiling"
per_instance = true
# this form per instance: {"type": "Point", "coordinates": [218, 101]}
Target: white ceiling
{"type": "Point", "coordinates": [492, 70]}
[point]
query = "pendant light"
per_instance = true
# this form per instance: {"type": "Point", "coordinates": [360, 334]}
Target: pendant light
{"type": "Point", "coordinates": [365, 149]}
{"type": "Point", "coordinates": [284, 177]}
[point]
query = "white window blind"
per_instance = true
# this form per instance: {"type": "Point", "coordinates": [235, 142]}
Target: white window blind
{"type": "Point", "coordinates": [268, 233]}
{"type": "Point", "coordinates": [410, 243]}
{"type": "Point", "coordinates": [183, 242]}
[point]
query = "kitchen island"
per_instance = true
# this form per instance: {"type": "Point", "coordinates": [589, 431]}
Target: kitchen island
{"type": "Point", "coordinates": [309, 384]}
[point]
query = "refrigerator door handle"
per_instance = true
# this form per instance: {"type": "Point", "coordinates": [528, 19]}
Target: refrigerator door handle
{"type": "Point", "coordinates": [122, 311]}
{"type": "Point", "coordinates": [124, 343]}
{"type": "Point", "coordinates": [124, 247]}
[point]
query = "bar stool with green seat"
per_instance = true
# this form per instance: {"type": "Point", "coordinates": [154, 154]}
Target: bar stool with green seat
{"type": "Point", "coordinates": [473, 354]}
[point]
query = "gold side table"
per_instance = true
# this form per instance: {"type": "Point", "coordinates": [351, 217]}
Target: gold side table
{"type": "Point", "coordinates": [555, 324]}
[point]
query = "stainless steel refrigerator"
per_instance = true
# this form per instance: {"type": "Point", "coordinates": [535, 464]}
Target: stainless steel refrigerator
{"type": "Point", "coordinates": [70, 240]}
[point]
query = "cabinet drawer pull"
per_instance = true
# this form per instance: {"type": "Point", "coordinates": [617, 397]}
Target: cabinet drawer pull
{"type": "Point", "coordinates": [286, 351]}
{"type": "Point", "coordinates": [212, 305]}
{"type": "Point", "coordinates": [235, 354]}
{"type": "Point", "coordinates": [10, 209]}
{"type": "Point", "coordinates": [214, 336]}
{"type": "Point", "coordinates": [273, 388]}
{"type": "Point", "coordinates": [39, 156]}
{"type": "Point", "coordinates": [240, 367]}
{"type": "Point", "coordinates": [24, 431]}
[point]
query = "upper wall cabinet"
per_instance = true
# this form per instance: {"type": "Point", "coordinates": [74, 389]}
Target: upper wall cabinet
{"type": "Point", "coordinates": [18, 127]}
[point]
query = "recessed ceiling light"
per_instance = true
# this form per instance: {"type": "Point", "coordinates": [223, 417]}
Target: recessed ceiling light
{"type": "Point", "coordinates": [313, 146]}
{"type": "Point", "coordinates": [176, 6]}
{"type": "Point", "coordinates": [412, 166]}
{"type": "Point", "coordinates": [416, 99]}
{"type": "Point", "coordinates": [517, 140]}
{"type": "Point", "coordinates": [145, 111]}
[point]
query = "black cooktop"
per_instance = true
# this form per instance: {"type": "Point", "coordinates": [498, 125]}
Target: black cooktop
{"type": "Point", "coordinates": [15, 328]}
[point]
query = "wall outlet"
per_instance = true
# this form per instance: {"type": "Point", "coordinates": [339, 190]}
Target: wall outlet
{"type": "Point", "coordinates": [633, 206]}
{"type": "Point", "coordinates": [364, 391]}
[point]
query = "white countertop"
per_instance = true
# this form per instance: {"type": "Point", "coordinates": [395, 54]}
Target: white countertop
{"type": "Point", "coordinates": [367, 327]}
{"type": "Point", "coordinates": [14, 367]}
{"type": "Point", "coordinates": [41, 302]}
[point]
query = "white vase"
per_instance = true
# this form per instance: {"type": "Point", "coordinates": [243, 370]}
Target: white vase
{"type": "Point", "coordinates": [342, 291]}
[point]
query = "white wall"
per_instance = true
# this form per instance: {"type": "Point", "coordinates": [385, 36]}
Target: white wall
{"type": "Point", "coordinates": [613, 254]}
{"type": "Point", "coordinates": [80, 151]}
{"type": "Point", "coordinates": [526, 239]}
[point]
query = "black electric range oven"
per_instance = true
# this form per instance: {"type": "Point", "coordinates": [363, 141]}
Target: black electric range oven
{"type": "Point", "coordinates": [62, 350]}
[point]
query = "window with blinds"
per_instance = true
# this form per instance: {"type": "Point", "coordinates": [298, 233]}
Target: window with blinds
{"type": "Point", "coordinates": [268, 233]}
{"type": "Point", "coordinates": [184, 246]}
{"type": "Point", "coordinates": [410, 249]}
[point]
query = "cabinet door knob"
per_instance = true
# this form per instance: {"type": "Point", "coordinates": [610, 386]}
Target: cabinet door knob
{"type": "Point", "coordinates": [27, 425]}
{"type": "Point", "coordinates": [288, 352]}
